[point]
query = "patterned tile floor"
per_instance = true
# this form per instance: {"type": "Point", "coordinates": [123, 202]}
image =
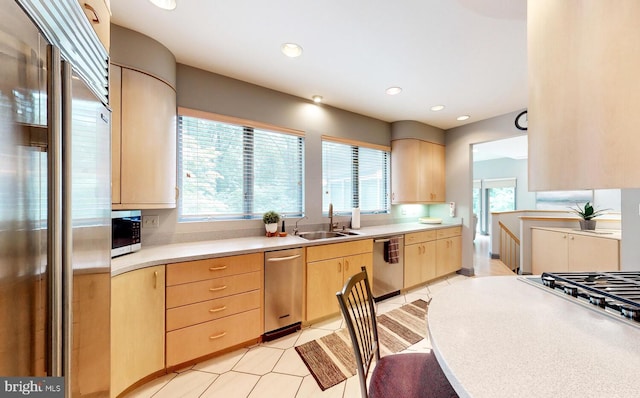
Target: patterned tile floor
{"type": "Point", "coordinates": [274, 369]}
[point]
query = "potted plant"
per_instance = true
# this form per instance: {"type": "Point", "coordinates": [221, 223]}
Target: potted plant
{"type": "Point", "coordinates": [270, 220]}
{"type": "Point", "coordinates": [587, 213]}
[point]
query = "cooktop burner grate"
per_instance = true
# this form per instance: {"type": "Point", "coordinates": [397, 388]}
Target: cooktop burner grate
{"type": "Point", "coordinates": [614, 291]}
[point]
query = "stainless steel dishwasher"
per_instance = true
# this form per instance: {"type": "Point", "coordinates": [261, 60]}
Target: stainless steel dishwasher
{"type": "Point", "coordinates": [388, 277]}
{"type": "Point", "coordinates": [283, 279]}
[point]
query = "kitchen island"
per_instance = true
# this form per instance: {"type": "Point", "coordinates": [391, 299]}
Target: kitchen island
{"type": "Point", "coordinates": [504, 337]}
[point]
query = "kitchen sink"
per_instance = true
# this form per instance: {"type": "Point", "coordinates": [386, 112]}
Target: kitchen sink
{"type": "Point", "coordinates": [315, 235]}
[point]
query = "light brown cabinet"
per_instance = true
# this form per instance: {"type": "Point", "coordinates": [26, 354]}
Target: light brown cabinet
{"type": "Point", "coordinates": [137, 326]}
{"type": "Point", "coordinates": [448, 250]}
{"type": "Point", "coordinates": [417, 172]}
{"type": "Point", "coordinates": [212, 305]}
{"type": "Point", "coordinates": [419, 257]}
{"type": "Point", "coordinates": [99, 15]}
{"type": "Point", "coordinates": [584, 93]}
{"type": "Point", "coordinates": [143, 133]}
{"type": "Point", "coordinates": [328, 268]}
{"type": "Point", "coordinates": [557, 251]}
{"type": "Point", "coordinates": [431, 254]}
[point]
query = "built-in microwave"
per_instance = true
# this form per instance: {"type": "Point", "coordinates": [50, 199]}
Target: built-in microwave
{"type": "Point", "coordinates": [125, 232]}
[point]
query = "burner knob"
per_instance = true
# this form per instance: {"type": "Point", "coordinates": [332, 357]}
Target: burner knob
{"type": "Point", "coordinates": [571, 290]}
{"type": "Point", "coordinates": [549, 281]}
{"type": "Point", "coordinates": [597, 299]}
{"type": "Point", "coordinates": [630, 312]}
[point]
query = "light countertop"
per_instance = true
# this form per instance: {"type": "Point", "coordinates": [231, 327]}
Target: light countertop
{"type": "Point", "coordinates": [598, 233]}
{"type": "Point", "coordinates": [177, 252]}
{"type": "Point", "coordinates": [502, 337]}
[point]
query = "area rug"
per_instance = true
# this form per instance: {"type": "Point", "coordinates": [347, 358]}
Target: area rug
{"type": "Point", "coordinates": [331, 360]}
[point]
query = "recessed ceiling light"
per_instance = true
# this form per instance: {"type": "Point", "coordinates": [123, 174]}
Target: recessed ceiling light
{"type": "Point", "coordinates": [437, 108]}
{"type": "Point", "coordinates": [393, 90]}
{"type": "Point", "coordinates": [292, 50]}
{"type": "Point", "coordinates": [317, 99]}
{"type": "Point", "coordinates": [164, 4]}
{"type": "Point", "coordinates": [463, 118]}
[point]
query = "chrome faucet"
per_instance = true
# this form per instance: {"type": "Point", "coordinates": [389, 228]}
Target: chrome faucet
{"type": "Point", "coordinates": [332, 226]}
{"type": "Point", "coordinates": [295, 229]}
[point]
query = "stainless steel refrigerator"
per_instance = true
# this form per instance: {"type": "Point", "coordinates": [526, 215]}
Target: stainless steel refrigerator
{"type": "Point", "coordinates": [55, 195]}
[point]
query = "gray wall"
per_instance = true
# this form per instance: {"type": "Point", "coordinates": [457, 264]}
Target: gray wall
{"type": "Point", "coordinates": [206, 91]}
{"type": "Point", "coordinates": [508, 168]}
{"type": "Point", "coordinates": [629, 250]}
{"type": "Point", "coordinates": [459, 169]}
{"type": "Point", "coordinates": [137, 51]}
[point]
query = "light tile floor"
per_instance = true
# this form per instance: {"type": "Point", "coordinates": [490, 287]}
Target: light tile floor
{"type": "Point", "coordinates": [274, 369]}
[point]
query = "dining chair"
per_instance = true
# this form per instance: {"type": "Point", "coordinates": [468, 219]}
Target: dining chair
{"type": "Point", "coordinates": [398, 375]}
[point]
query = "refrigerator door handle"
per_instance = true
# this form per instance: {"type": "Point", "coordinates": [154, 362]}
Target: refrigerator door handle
{"type": "Point", "coordinates": [54, 212]}
{"type": "Point", "coordinates": [67, 225]}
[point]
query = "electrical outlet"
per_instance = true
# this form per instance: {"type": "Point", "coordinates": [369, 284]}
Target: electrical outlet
{"type": "Point", "coordinates": [150, 221]}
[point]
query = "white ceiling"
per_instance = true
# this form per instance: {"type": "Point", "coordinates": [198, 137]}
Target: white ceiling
{"type": "Point", "coordinates": [469, 55]}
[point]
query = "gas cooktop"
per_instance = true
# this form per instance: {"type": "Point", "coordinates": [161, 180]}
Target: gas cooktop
{"type": "Point", "coordinates": [615, 293]}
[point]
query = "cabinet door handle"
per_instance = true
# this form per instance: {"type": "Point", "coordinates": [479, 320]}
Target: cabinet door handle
{"type": "Point", "coordinates": [155, 280]}
{"type": "Point", "coordinates": [217, 289]}
{"type": "Point", "coordinates": [339, 266]}
{"type": "Point", "coordinates": [346, 266]}
{"type": "Point", "coordinates": [217, 336]}
{"type": "Point", "coordinates": [95, 18]}
{"type": "Point", "coordinates": [214, 310]}
{"type": "Point", "coordinates": [221, 268]}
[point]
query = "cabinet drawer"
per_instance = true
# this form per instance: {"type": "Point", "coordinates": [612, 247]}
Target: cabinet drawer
{"type": "Point", "coordinates": [205, 311]}
{"type": "Point", "coordinates": [335, 250]}
{"type": "Point", "coordinates": [449, 232]}
{"type": "Point", "coordinates": [196, 292]}
{"type": "Point", "coordinates": [422, 236]}
{"type": "Point", "coordinates": [206, 338]}
{"type": "Point", "coordinates": [200, 270]}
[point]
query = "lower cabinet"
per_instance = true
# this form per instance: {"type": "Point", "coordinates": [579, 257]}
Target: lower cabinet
{"type": "Point", "coordinates": [448, 250]}
{"type": "Point", "coordinates": [431, 254]}
{"type": "Point", "coordinates": [328, 268]}
{"type": "Point", "coordinates": [419, 257]}
{"type": "Point", "coordinates": [212, 305]}
{"type": "Point", "coordinates": [558, 251]}
{"type": "Point", "coordinates": [137, 326]}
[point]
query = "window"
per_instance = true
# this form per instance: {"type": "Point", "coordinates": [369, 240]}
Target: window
{"type": "Point", "coordinates": [355, 175]}
{"type": "Point", "coordinates": [230, 168]}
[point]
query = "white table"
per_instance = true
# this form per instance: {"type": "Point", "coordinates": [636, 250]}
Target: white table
{"type": "Point", "coordinates": [501, 337]}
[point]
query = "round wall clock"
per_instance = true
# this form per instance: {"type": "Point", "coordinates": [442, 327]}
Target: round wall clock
{"type": "Point", "coordinates": [521, 120]}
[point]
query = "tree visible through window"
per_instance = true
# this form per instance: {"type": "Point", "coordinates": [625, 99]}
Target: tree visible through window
{"type": "Point", "coordinates": [234, 171]}
{"type": "Point", "coordinates": [354, 176]}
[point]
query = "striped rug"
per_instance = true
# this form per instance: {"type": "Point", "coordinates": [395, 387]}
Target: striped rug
{"type": "Point", "coordinates": [330, 359]}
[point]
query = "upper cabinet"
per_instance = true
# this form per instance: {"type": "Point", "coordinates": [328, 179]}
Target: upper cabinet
{"type": "Point", "coordinates": [584, 92]}
{"type": "Point", "coordinates": [143, 141]}
{"type": "Point", "coordinates": [98, 13]}
{"type": "Point", "coordinates": [417, 172]}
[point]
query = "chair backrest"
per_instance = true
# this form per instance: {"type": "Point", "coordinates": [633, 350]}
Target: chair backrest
{"type": "Point", "coordinates": [356, 304]}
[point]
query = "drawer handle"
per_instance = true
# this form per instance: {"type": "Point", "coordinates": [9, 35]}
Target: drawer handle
{"type": "Point", "coordinates": [224, 307]}
{"type": "Point", "coordinates": [216, 289]}
{"type": "Point", "coordinates": [221, 268]}
{"type": "Point", "coordinates": [217, 336]}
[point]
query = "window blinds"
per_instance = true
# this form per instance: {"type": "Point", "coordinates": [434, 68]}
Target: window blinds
{"type": "Point", "coordinates": [234, 171]}
{"type": "Point", "coordinates": [354, 176]}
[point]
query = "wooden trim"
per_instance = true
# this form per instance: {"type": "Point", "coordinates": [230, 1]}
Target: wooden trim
{"type": "Point", "coordinates": [237, 121]}
{"type": "Point", "coordinates": [418, 139]}
{"type": "Point", "coordinates": [508, 232]}
{"type": "Point", "coordinates": [363, 144]}
{"type": "Point", "coordinates": [124, 66]}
